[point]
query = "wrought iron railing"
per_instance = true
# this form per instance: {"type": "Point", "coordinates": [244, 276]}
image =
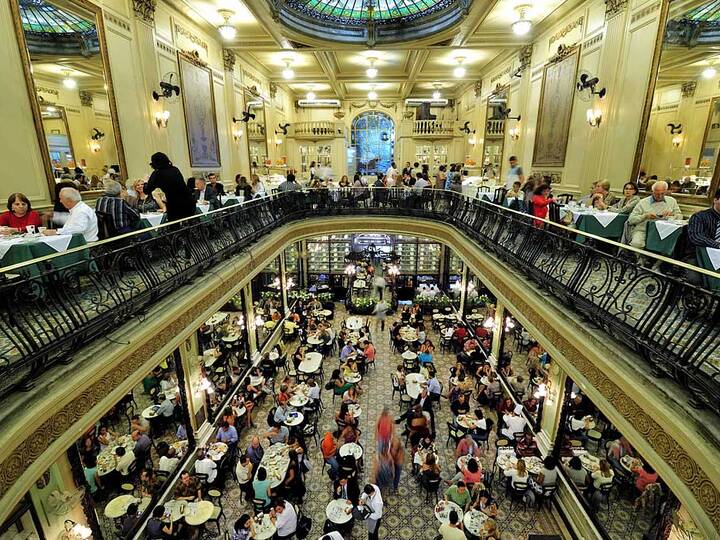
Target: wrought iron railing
{"type": "Point", "coordinates": [51, 307]}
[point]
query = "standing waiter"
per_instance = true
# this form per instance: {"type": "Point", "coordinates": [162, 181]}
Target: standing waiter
{"type": "Point", "coordinates": [168, 178]}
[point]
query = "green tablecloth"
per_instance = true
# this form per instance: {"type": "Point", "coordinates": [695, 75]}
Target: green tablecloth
{"type": "Point", "coordinates": [704, 261]}
{"type": "Point", "coordinates": [589, 223]}
{"type": "Point", "coordinates": [663, 246]}
{"type": "Point", "coordinates": [230, 202]}
{"type": "Point", "coordinates": [20, 253]}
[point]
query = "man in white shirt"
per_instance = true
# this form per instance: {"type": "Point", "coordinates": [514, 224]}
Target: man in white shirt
{"type": "Point", "coordinates": [82, 218]}
{"type": "Point", "coordinates": [166, 407]}
{"type": "Point", "coordinates": [392, 174]}
{"type": "Point", "coordinates": [372, 500]}
{"type": "Point", "coordinates": [205, 465]}
{"type": "Point", "coordinates": [514, 423]}
{"type": "Point", "coordinates": [169, 461]}
{"type": "Point", "coordinates": [285, 519]}
{"type": "Point", "coordinates": [123, 460]}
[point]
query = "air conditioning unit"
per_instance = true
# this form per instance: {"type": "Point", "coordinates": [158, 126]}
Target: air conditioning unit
{"type": "Point", "coordinates": [416, 102]}
{"type": "Point", "coordinates": [319, 103]}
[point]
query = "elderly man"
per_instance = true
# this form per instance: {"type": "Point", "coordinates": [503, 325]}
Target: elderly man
{"type": "Point", "coordinates": [205, 194]}
{"type": "Point", "coordinates": [656, 206]}
{"type": "Point", "coordinates": [124, 217]}
{"type": "Point", "coordinates": [82, 218]}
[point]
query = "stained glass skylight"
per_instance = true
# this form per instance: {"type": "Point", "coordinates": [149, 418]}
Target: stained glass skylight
{"type": "Point", "coordinates": [358, 11]}
{"type": "Point", "coordinates": [40, 17]}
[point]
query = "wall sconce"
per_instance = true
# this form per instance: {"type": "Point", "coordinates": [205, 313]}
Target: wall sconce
{"type": "Point", "coordinates": [594, 117]}
{"type": "Point", "coordinates": [472, 141]}
{"type": "Point", "coordinates": [161, 118]}
{"type": "Point", "coordinates": [489, 323]}
{"type": "Point", "coordinates": [677, 141]}
{"type": "Point", "coordinates": [278, 141]}
{"type": "Point", "coordinates": [237, 134]}
{"type": "Point", "coordinates": [514, 133]}
{"type": "Point", "coordinates": [94, 147]}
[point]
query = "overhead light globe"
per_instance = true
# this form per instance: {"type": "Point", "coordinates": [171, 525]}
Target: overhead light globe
{"type": "Point", "coordinates": [522, 25]}
{"type": "Point", "coordinates": [459, 71]}
{"type": "Point", "coordinates": [372, 95]}
{"type": "Point", "coordinates": [288, 73]}
{"type": "Point", "coordinates": [709, 72]}
{"type": "Point", "coordinates": [69, 83]}
{"type": "Point", "coordinates": [310, 96]}
{"type": "Point", "coordinates": [227, 30]}
{"type": "Point", "coordinates": [437, 95]}
{"type": "Point", "coordinates": [371, 72]}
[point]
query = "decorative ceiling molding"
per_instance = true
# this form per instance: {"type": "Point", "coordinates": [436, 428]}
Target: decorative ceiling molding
{"type": "Point", "coordinates": [614, 7]}
{"type": "Point", "coordinates": [525, 57]}
{"type": "Point", "coordinates": [145, 10]}
{"type": "Point", "coordinates": [229, 59]}
{"type": "Point", "coordinates": [86, 98]}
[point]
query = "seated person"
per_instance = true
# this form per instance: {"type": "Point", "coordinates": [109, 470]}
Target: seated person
{"type": "Point", "coordinates": [188, 488]}
{"type": "Point", "coordinates": [485, 503]}
{"type": "Point", "coordinates": [467, 447]}
{"type": "Point", "coordinates": [527, 447]}
{"type": "Point", "coordinates": [123, 460]}
{"type": "Point", "coordinates": [19, 215]}
{"type": "Point", "coordinates": [459, 494]}
{"type": "Point", "coordinates": [261, 487]}
{"type": "Point", "coordinates": [453, 529]}
{"type": "Point", "coordinates": [81, 219]}
{"type": "Point", "coordinates": [346, 487]}
{"type": "Point", "coordinates": [576, 472]}
{"type": "Point", "coordinates": [460, 405]}
{"type": "Point", "coordinates": [644, 476]}
{"type": "Point", "coordinates": [285, 519]}
{"type": "Point", "coordinates": [124, 218]}
{"type": "Point", "coordinates": [157, 527]}
{"type": "Point", "coordinates": [656, 206]}
{"type": "Point", "coordinates": [205, 466]}
{"type": "Point", "coordinates": [277, 434]}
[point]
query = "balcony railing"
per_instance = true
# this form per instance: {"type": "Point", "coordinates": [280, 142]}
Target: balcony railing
{"type": "Point", "coordinates": [423, 128]}
{"type": "Point", "coordinates": [314, 129]}
{"type": "Point", "coordinates": [495, 128]}
{"type": "Point", "coordinates": [51, 307]}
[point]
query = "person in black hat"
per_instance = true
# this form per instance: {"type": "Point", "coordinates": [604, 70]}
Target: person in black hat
{"type": "Point", "coordinates": [167, 177]}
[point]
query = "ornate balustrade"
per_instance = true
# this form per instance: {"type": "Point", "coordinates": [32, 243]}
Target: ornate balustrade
{"type": "Point", "coordinates": [495, 128]}
{"type": "Point", "coordinates": [49, 309]}
{"type": "Point", "coordinates": [314, 130]}
{"type": "Point", "coordinates": [432, 128]}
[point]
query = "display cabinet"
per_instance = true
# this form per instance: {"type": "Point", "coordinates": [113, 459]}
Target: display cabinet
{"type": "Point", "coordinates": [321, 154]}
{"type": "Point", "coordinates": [431, 154]}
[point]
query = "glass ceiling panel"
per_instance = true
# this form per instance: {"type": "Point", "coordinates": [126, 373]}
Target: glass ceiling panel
{"type": "Point", "coordinates": [41, 18]}
{"type": "Point", "coordinates": [358, 11]}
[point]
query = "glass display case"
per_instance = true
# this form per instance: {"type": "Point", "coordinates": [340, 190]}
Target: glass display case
{"type": "Point", "coordinates": [318, 255]}
{"type": "Point", "coordinates": [428, 259]}
{"type": "Point", "coordinates": [431, 154]}
{"type": "Point", "coordinates": [455, 264]}
{"type": "Point", "coordinates": [339, 248]}
{"type": "Point", "coordinates": [321, 154]}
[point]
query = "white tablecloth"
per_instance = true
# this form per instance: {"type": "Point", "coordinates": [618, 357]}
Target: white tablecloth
{"type": "Point", "coordinates": [666, 228]}
{"type": "Point", "coordinates": [154, 218]}
{"type": "Point", "coordinates": [59, 242]}
{"type": "Point", "coordinates": [714, 256]}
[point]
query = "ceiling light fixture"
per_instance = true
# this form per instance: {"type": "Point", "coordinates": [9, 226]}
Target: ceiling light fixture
{"type": "Point", "coordinates": [459, 71]}
{"type": "Point", "coordinates": [288, 73]}
{"type": "Point", "coordinates": [372, 71]}
{"type": "Point", "coordinates": [522, 25]}
{"type": "Point", "coordinates": [68, 81]}
{"type": "Point", "coordinates": [709, 72]}
{"type": "Point", "coordinates": [372, 94]}
{"type": "Point", "coordinates": [310, 96]}
{"type": "Point", "coordinates": [227, 30]}
{"type": "Point", "coordinates": [436, 94]}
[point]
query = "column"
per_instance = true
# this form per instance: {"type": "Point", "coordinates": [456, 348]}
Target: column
{"type": "Point", "coordinates": [498, 330]}
{"type": "Point", "coordinates": [189, 353]}
{"type": "Point", "coordinates": [250, 318]}
{"type": "Point", "coordinates": [303, 262]}
{"type": "Point", "coordinates": [283, 283]}
{"type": "Point", "coordinates": [232, 112]}
{"type": "Point", "coordinates": [463, 288]}
{"type": "Point", "coordinates": [144, 38]}
{"type": "Point", "coordinates": [551, 408]}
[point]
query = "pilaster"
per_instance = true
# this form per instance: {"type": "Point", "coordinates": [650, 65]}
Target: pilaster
{"type": "Point", "coordinates": [498, 329]}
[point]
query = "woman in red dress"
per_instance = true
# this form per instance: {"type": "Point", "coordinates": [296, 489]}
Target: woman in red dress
{"type": "Point", "coordinates": [19, 215]}
{"type": "Point", "coordinates": [540, 202]}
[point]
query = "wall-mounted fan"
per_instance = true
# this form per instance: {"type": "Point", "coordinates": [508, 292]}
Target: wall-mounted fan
{"type": "Point", "coordinates": [246, 116]}
{"type": "Point", "coordinates": [587, 87]}
{"type": "Point", "coordinates": [283, 129]}
{"type": "Point", "coordinates": [97, 135]}
{"type": "Point", "coordinates": [504, 113]}
{"type": "Point", "coordinates": [168, 90]}
{"type": "Point", "coordinates": [466, 129]}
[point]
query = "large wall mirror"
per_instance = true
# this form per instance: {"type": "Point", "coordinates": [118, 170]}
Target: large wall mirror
{"type": "Point", "coordinates": [494, 138]}
{"type": "Point", "coordinates": [257, 131]}
{"type": "Point", "coordinates": [682, 130]}
{"type": "Point", "coordinates": [62, 44]}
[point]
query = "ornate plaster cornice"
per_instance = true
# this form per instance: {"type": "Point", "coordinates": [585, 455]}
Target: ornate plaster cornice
{"type": "Point", "coordinates": [614, 7]}
{"type": "Point", "coordinates": [688, 88]}
{"type": "Point", "coordinates": [229, 59]}
{"type": "Point", "coordinates": [525, 57]}
{"type": "Point", "coordinates": [86, 98]}
{"type": "Point", "coordinates": [34, 440]}
{"type": "Point", "coordinates": [145, 10]}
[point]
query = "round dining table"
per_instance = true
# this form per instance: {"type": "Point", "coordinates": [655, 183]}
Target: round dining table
{"type": "Point", "coordinates": [443, 509]}
{"type": "Point", "coordinates": [264, 528]}
{"type": "Point", "coordinates": [314, 340]}
{"type": "Point", "coordinates": [339, 511]}
{"type": "Point", "coordinates": [118, 506]}
{"type": "Point", "coordinates": [294, 418]}
{"type": "Point", "coordinates": [311, 363]}
{"type": "Point", "coordinates": [354, 323]}
{"type": "Point", "coordinates": [197, 513]}
{"type": "Point", "coordinates": [413, 384]}
{"type": "Point", "coordinates": [353, 378]}
{"type": "Point", "coordinates": [474, 520]}
{"type": "Point", "coordinates": [351, 449]}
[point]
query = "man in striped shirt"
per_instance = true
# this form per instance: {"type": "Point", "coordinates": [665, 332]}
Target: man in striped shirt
{"type": "Point", "coordinates": [124, 217]}
{"type": "Point", "coordinates": [704, 226]}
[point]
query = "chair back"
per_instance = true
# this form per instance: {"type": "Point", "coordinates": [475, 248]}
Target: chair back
{"type": "Point", "coordinates": [500, 194]}
{"type": "Point", "coordinates": [520, 487]}
{"type": "Point", "coordinates": [106, 225]}
{"type": "Point", "coordinates": [564, 198]}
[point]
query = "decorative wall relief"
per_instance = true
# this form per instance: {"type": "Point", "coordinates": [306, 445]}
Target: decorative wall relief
{"type": "Point", "coordinates": [145, 10]}
{"type": "Point", "coordinates": [86, 98]}
{"type": "Point", "coordinates": [199, 106]}
{"type": "Point", "coordinates": [556, 102]}
{"type": "Point", "coordinates": [228, 60]}
{"type": "Point", "coordinates": [614, 7]}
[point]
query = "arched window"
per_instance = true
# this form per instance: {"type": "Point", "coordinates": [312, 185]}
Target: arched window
{"type": "Point", "coordinates": [373, 142]}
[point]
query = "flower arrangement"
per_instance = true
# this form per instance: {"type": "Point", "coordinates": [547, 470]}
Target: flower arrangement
{"type": "Point", "coordinates": [363, 305]}
{"type": "Point", "coordinates": [479, 301]}
{"type": "Point", "coordinates": [432, 302]}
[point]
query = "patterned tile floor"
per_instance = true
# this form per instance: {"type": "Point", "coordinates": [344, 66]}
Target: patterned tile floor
{"type": "Point", "coordinates": [406, 513]}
